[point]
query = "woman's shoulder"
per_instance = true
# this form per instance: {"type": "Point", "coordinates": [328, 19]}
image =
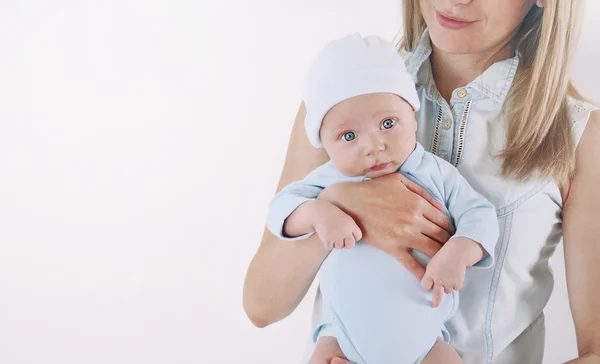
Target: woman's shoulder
{"type": "Point", "coordinates": [579, 114]}
{"type": "Point", "coordinates": [580, 110]}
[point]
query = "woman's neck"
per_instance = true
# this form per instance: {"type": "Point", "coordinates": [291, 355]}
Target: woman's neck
{"type": "Point", "coordinates": [451, 71]}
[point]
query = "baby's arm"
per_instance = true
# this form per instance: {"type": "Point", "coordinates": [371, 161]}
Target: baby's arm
{"type": "Point", "coordinates": [474, 216]}
{"type": "Point", "coordinates": [475, 239]}
{"type": "Point", "coordinates": [335, 228]}
{"type": "Point", "coordinates": [295, 213]}
{"type": "Point", "coordinates": [446, 270]}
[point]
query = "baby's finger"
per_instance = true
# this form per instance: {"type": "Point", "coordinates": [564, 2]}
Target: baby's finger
{"type": "Point", "coordinates": [331, 244]}
{"type": "Point", "coordinates": [448, 290]}
{"type": "Point", "coordinates": [340, 361]}
{"type": "Point", "coordinates": [438, 294]}
{"type": "Point", "coordinates": [357, 234]}
{"type": "Point", "coordinates": [426, 282]}
{"type": "Point", "coordinates": [349, 242]}
{"type": "Point", "coordinates": [459, 285]}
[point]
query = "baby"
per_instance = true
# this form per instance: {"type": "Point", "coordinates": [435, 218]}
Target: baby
{"type": "Point", "coordinates": [361, 104]}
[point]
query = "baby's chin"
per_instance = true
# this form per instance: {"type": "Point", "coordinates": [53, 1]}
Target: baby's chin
{"type": "Point", "coordinates": [352, 171]}
{"type": "Point", "coordinates": [392, 168]}
{"type": "Point", "coordinates": [377, 174]}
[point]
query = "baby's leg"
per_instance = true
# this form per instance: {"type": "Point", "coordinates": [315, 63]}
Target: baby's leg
{"type": "Point", "coordinates": [381, 313]}
{"type": "Point", "coordinates": [326, 350]}
{"type": "Point", "coordinates": [442, 353]}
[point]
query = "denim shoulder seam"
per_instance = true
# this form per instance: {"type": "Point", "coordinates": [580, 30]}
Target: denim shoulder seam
{"type": "Point", "coordinates": [503, 211]}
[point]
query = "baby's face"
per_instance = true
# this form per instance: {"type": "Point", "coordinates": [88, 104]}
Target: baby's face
{"type": "Point", "coordinates": [369, 135]}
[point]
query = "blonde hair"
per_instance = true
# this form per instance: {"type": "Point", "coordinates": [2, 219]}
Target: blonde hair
{"type": "Point", "coordinates": [538, 136]}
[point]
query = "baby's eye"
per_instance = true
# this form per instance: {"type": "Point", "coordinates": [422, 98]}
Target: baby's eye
{"type": "Point", "coordinates": [388, 123]}
{"type": "Point", "coordinates": [349, 136]}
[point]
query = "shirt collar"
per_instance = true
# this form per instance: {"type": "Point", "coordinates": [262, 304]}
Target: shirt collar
{"type": "Point", "coordinates": [494, 82]}
{"type": "Point", "coordinates": [414, 159]}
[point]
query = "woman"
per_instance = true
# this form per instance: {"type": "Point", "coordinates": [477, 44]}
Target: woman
{"type": "Point", "coordinates": [497, 102]}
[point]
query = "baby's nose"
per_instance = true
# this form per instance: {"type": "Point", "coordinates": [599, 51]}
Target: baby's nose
{"type": "Point", "coordinates": [375, 145]}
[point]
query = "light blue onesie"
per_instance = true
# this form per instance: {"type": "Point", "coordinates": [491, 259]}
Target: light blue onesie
{"type": "Point", "coordinates": [353, 311]}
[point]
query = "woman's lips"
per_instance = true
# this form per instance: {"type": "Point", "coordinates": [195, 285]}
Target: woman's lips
{"type": "Point", "coordinates": [450, 22]}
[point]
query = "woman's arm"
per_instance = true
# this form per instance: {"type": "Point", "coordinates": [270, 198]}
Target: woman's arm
{"type": "Point", "coordinates": [582, 244]}
{"type": "Point", "coordinates": [281, 272]}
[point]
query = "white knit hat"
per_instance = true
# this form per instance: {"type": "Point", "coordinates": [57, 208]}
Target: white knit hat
{"type": "Point", "coordinates": [353, 66]}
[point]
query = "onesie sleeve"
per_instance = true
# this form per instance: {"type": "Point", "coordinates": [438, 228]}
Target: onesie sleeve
{"type": "Point", "coordinates": [293, 195]}
{"type": "Point", "coordinates": [474, 216]}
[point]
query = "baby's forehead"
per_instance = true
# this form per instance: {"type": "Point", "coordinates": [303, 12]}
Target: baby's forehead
{"type": "Point", "coordinates": [347, 118]}
{"type": "Point", "coordinates": [338, 123]}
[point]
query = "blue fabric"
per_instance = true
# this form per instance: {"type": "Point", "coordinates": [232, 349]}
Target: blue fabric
{"type": "Point", "coordinates": [473, 216]}
{"type": "Point", "coordinates": [372, 304]}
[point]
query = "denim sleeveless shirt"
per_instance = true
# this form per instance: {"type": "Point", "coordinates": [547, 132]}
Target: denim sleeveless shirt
{"type": "Point", "coordinates": [500, 318]}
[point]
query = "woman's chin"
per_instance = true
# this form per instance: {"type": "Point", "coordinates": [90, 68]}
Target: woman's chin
{"type": "Point", "coordinates": [453, 42]}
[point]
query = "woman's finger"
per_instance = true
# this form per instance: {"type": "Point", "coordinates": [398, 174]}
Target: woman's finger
{"type": "Point", "coordinates": [425, 245]}
{"type": "Point", "coordinates": [415, 188]}
{"type": "Point", "coordinates": [433, 231]}
{"type": "Point", "coordinates": [409, 262]}
{"type": "Point", "coordinates": [438, 218]}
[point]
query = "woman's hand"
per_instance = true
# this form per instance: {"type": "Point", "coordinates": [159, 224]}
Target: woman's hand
{"type": "Point", "coordinates": [395, 215]}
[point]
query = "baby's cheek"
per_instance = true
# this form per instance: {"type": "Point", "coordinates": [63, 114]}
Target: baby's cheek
{"type": "Point", "coordinates": [404, 145]}
{"type": "Point", "coordinates": [347, 163]}
{"type": "Point", "coordinates": [351, 167]}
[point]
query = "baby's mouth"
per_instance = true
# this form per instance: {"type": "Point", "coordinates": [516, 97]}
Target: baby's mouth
{"type": "Point", "coordinates": [379, 167]}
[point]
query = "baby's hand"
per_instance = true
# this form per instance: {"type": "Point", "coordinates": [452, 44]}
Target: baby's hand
{"type": "Point", "coordinates": [446, 270]}
{"type": "Point", "coordinates": [335, 228]}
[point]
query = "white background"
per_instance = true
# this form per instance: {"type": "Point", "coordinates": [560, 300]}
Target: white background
{"type": "Point", "coordinates": [140, 142]}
